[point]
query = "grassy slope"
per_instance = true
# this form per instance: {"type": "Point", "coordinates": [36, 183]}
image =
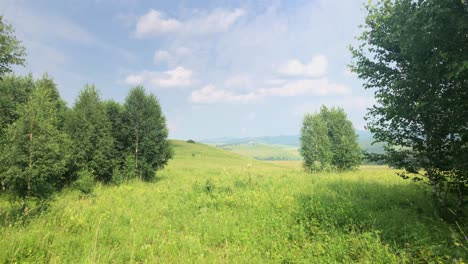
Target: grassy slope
{"type": "Point", "coordinates": [215, 206]}
{"type": "Point", "coordinates": [264, 151]}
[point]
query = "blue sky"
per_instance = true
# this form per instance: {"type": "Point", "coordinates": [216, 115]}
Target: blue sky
{"type": "Point", "coordinates": [218, 68]}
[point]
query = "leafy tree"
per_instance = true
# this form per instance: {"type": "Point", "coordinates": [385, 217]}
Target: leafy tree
{"type": "Point", "coordinates": [48, 83]}
{"type": "Point", "coordinates": [115, 113]}
{"type": "Point", "coordinates": [343, 139]}
{"type": "Point", "coordinates": [14, 91]}
{"type": "Point", "coordinates": [11, 50]}
{"type": "Point", "coordinates": [414, 55]}
{"type": "Point", "coordinates": [315, 143]}
{"type": "Point", "coordinates": [145, 133]}
{"type": "Point", "coordinates": [328, 140]}
{"type": "Point", "coordinates": [36, 153]}
{"type": "Point", "coordinates": [90, 130]}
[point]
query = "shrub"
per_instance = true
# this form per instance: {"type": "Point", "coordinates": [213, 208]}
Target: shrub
{"type": "Point", "coordinates": [85, 182]}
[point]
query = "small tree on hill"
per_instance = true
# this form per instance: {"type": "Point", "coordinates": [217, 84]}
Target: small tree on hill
{"type": "Point", "coordinates": [344, 144]}
{"type": "Point", "coordinates": [328, 140]}
{"type": "Point", "coordinates": [315, 143]}
{"type": "Point", "coordinates": [145, 133]}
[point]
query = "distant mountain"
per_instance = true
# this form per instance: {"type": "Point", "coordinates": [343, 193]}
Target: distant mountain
{"type": "Point", "coordinates": [292, 140]}
{"type": "Point", "coordinates": [365, 140]}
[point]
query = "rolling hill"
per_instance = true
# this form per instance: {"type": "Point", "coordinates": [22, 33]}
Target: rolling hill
{"type": "Point", "coordinates": [283, 147]}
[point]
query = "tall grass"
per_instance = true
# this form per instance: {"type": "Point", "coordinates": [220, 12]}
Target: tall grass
{"type": "Point", "coordinates": [212, 206]}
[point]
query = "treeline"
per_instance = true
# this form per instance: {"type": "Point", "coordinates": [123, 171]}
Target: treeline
{"type": "Point", "coordinates": [44, 145]}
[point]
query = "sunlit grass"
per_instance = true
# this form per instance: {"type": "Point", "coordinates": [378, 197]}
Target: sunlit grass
{"type": "Point", "coordinates": [213, 206]}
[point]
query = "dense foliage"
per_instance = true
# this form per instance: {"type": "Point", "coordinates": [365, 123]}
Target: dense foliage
{"type": "Point", "coordinates": [35, 153]}
{"type": "Point", "coordinates": [414, 55]}
{"type": "Point", "coordinates": [328, 141]}
{"type": "Point", "coordinates": [145, 133]}
{"type": "Point", "coordinates": [90, 129]}
{"type": "Point", "coordinates": [45, 145]}
{"type": "Point", "coordinates": [11, 50]}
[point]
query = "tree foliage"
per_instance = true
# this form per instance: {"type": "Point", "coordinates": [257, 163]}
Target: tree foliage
{"type": "Point", "coordinates": [414, 55]}
{"type": "Point", "coordinates": [315, 143]}
{"type": "Point", "coordinates": [89, 127]}
{"type": "Point", "coordinates": [44, 145]}
{"type": "Point", "coordinates": [145, 133]}
{"type": "Point", "coordinates": [14, 91]}
{"type": "Point", "coordinates": [11, 50]}
{"type": "Point", "coordinates": [328, 141]}
{"type": "Point", "coordinates": [36, 153]}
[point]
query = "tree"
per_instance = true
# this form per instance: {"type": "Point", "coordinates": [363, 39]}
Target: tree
{"type": "Point", "coordinates": [343, 139]}
{"type": "Point", "coordinates": [14, 91]}
{"type": "Point", "coordinates": [11, 51]}
{"type": "Point", "coordinates": [414, 55]}
{"type": "Point", "coordinates": [89, 128]}
{"type": "Point", "coordinates": [48, 83]}
{"type": "Point", "coordinates": [315, 143]}
{"type": "Point", "coordinates": [115, 113]}
{"type": "Point", "coordinates": [36, 153]}
{"type": "Point", "coordinates": [328, 140]}
{"type": "Point", "coordinates": [145, 133]}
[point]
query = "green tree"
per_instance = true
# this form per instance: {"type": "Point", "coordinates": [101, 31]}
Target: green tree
{"type": "Point", "coordinates": [343, 139]}
{"type": "Point", "coordinates": [328, 140]}
{"type": "Point", "coordinates": [89, 128]}
{"type": "Point", "coordinates": [14, 91]}
{"type": "Point", "coordinates": [11, 50]}
{"type": "Point", "coordinates": [414, 55]}
{"type": "Point", "coordinates": [47, 82]}
{"type": "Point", "coordinates": [115, 113]}
{"type": "Point", "coordinates": [315, 143]}
{"type": "Point", "coordinates": [36, 153]}
{"type": "Point", "coordinates": [145, 133]}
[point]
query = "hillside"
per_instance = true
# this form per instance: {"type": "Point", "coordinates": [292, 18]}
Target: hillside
{"type": "Point", "coordinates": [210, 206]}
{"type": "Point", "coordinates": [262, 151]}
{"type": "Point", "coordinates": [281, 147]}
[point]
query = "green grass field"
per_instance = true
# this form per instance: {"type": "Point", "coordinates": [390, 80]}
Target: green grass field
{"type": "Point", "coordinates": [264, 151]}
{"type": "Point", "coordinates": [214, 206]}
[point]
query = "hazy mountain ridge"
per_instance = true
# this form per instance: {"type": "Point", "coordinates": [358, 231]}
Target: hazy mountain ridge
{"type": "Point", "coordinates": [365, 141]}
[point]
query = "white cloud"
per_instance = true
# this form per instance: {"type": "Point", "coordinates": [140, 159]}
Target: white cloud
{"type": "Point", "coordinates": [178, 77]}
{"type": "Point", "coordinates": [317, 67]}
{"type": "Point", "coordinates": [319, 87]}
{"type": "Point", "coordinates": [210, 94]}
{"type": "Point", "coordinates": [155, 23]}
{"type": "Point", "coordinates": [171, 57]}
{"type": "Point", "coordinates": [354, 105]}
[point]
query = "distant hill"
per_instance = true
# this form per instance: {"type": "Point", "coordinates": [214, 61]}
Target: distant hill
{"type": "Point", "coordinates": [365, 141]}
{"type": "Point", "coordinates": [291, 140]}
{"type": "Point", "coordinates": [262, 151]}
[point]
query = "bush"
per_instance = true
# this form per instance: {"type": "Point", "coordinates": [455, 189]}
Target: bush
{"type": "Point", "coordinates": [85, 182]}
{"type": "Point", "coordinates": [191, 141]}
{"type": "Point", "coordinates": [118, 177]}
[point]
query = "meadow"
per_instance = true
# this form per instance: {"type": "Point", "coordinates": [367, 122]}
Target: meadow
{"type": "Point", "coordinates": [213, 206]}
{"type": "Point", "coordinates": [262, 151]}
